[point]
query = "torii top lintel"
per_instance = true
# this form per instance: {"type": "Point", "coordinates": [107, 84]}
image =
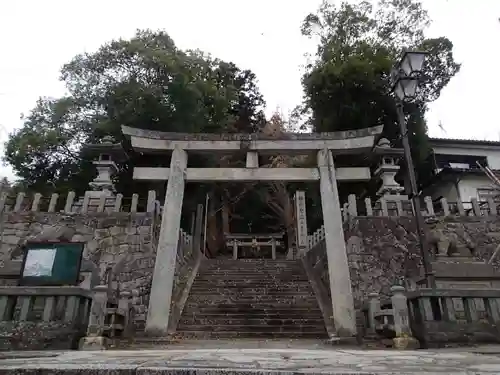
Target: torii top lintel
{"type": "Point", "coordinates": [342, 142]}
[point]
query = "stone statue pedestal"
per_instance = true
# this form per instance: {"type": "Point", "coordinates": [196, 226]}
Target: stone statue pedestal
{"type": "Point", "coordinates": [94, 343]}
{"type": "Point", "coordinates": [462, 272]}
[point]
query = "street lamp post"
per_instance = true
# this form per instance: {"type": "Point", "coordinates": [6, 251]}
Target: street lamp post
{"type": "Point", "coordinates": [405, 79]}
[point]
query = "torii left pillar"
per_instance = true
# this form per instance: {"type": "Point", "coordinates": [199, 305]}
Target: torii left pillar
{"type": "Point", "coordinates": [163, 276]}
{"type": "Point", "coordinates": [344, 316]}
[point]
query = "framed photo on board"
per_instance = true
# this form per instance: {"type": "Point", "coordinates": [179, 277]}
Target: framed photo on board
{"type": "Point", "coordinates": [51, 263]}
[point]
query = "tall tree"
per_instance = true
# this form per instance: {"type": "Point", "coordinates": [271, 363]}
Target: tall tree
{"type": "Point", "coordinates": [347, 84]}
{"type": "Point", "coordinates": [144, 82]}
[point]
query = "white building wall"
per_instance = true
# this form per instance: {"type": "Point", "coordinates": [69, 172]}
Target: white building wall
{"type": "Point", "coordinates": [492, 154]}
{"type": "Point", "coordinates": [447, 190]}
{"type": "Point", "coordinates": [469, 185]}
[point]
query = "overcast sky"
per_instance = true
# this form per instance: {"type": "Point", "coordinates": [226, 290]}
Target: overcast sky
{"type": "Point", "coordinates": [38, 37]}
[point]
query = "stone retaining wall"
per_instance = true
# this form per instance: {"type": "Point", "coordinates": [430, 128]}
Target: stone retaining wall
{"type": "Point", "coordinates": [120, 243]}
{"type": "Point", "coordinates": [384, 251]}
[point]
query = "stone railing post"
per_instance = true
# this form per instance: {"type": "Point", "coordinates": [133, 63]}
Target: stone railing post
{"type": "Point", "coordinates": [369, 208]}
{"type": "Point", "coordinates": [492, 207]}
{"type": "Point", "coordinates": [429, 206]}
{"type": "Point", "coordinates": [353, 206]}
{"type": "Point", "coordinates": [383, 207]}
{"type": "Point", "coordinates": [460, 207]}
{"type": "Point", "coordinates": [373, 308]}
{"type": "Point", "coordinates": [345, 212]}
{"type": "Point", "coordinates": [403, 339]}
{"type": "Point", "coordinates": [124, 304]}
{"type": "Point", "coordinates": [445, 206]}
{"type": "Point", "coordinates": [475, 207]}
{"type": "Point", "coordinates": [95, 339]}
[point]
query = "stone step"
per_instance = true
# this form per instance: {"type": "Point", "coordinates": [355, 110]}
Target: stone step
{"type": "Point", "coordinates": [293, 313]}
{"type": "Point", "coordinates": [218, 320]}
{"type": "Point", "coordinates": [248, 279]}
{"type": "Point", "coordinates": [252, 328]}
{"type": "Point", "coordinates": [228, 261]}
{"type": "Point", "coordinates": [285, 311]}
{"type": "Point", "coordinates": [251, 292]}
{"type": "Point", "coordinates": [255, 277]}
{"type": "Point", "coordinates": [235, 298]}
{"type": "Point", "coordinates": [254, 272]}
{"type": "Point", "coordinates": [254, 297]}
{"type": "Point", "coordinates": [254, 334]}
{"type": "Point", "coordinates": [247, 307]}
{"type": "Point", "coordinates": [251, 299]}
{"type": "Point", "coordinates": [272, 271]}
{"type": "Point", "coordinates": [253, 267]}
{"type": "Point", "coordinates": [247, 284]}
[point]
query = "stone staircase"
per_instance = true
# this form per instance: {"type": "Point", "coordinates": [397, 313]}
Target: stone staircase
{"type": "Point", "coordinates": [251, 299]}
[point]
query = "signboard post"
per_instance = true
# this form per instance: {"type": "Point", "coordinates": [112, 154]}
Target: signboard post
{"type": "Point", "coordinates": [300, 209]}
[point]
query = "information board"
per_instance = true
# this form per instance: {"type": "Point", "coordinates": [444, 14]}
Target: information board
{"type": "Point", "coordinates": [51, 263]}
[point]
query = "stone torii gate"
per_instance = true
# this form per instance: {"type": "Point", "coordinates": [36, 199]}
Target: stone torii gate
{"type": "Point", "coordinates": [325, 145]}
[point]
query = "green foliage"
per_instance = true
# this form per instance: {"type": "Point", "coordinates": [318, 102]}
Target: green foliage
{"type": "Point", "coordinates": [347, 86]}
{"type": "Point", "coordinates": [347, 83]}
{"type": "Point", "coordinates": [144, 82]}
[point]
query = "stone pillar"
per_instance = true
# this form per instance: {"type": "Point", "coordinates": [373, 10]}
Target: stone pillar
{"type": "Point", "coordinates": [198, 230]}
{"type": "Point", "coordinates": [373, 308]}
{"type": "Point", "coordinates": [235, 249]}
{"type": "Point", "coordinates": [95, 339]}
{"type": "Point", "coordinates": [300, 210]}
{"type": "Point", "coordinates": [273, 248]}
{"type": "Point", "coordinates": [344, 316]}
{"type": "Point", "coordinates": [403, 339]}
{"type": "Point", "coordinates": [163, 276]}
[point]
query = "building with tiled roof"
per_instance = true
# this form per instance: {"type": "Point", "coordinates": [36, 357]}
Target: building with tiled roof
{"type": "Point", "coordinates": [457, 173]}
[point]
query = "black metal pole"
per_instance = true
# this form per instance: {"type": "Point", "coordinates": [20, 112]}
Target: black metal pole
{"type": "Point", "coordinates": [415, 198]}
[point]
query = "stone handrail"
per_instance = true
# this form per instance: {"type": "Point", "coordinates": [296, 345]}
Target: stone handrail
{"type": "Point", "coordinates": [436, 316]}
{"type": "Point", "coordinates": [390, 318]}
{"type": "Point", "coordinates": [316, 266]}
{"type": "Point", "coordinates": [404, 207]}
{"type": "Point", "coordinates": [89, 203]}
{"type": "Point", "coordinates": [316, 237]}
{"type": "Point", "coordinates": [188, 260]}
{"type": "Point", "coordinates": [461, 316]}
{"type": "Point", "coordinates": [185, 241]}
{"type": "Point", "coordinates": [76, 303]}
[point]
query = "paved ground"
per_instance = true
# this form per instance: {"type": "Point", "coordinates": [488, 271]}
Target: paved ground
{"type": "Point", "coordinates": [294, 360]}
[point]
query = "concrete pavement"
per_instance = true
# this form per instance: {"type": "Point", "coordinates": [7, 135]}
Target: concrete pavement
{"type": "Point", "coordinates": [268, 360]}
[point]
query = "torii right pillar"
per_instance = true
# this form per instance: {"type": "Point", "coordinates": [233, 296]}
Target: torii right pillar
{"type": "Point", "coordinates": [344, 315]}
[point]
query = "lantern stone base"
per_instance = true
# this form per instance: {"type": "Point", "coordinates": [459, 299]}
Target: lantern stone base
{"type": "Point", "coordinates": [405, 343]}
{"type": "Point", "coordinates": [94, 343]}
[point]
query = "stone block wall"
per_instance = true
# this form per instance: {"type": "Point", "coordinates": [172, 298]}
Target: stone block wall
{"type": "Point", "coordinates": [478, 234]}
{"type": "Point", "coordinates": [383, 250]}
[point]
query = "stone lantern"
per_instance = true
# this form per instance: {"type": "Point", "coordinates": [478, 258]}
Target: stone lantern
{"type": "Point", "coordinates": [387, 171]}
{"type": "Point", "coordinates": [105, 155]}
